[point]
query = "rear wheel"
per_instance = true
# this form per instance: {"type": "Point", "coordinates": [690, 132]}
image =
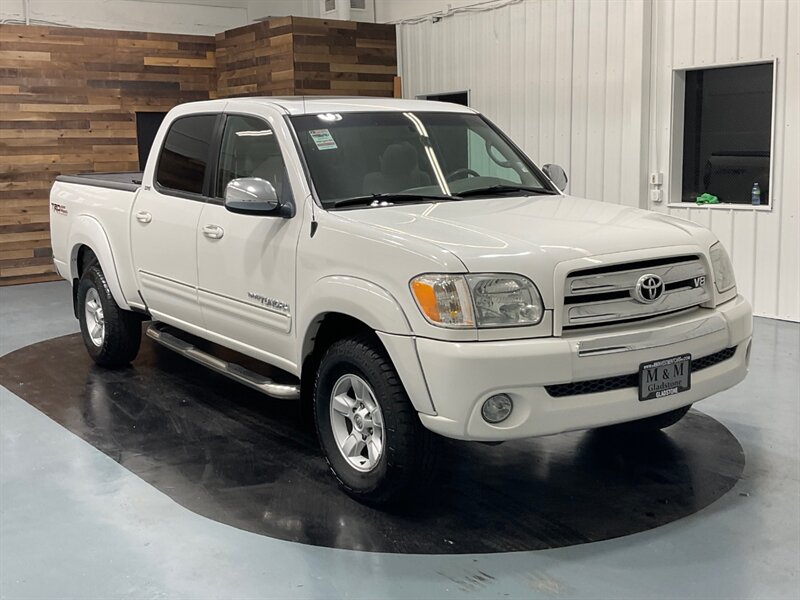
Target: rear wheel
{"type": "Point", "coordinates": [654, 423]}
{"type": "Point", "coordinates": [369, 431]}
{"type": "Point", "coordinates": [111, 335]}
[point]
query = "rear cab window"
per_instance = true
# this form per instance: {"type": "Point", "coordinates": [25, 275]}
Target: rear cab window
{"type": "Point", "coordinates": [185, 155]}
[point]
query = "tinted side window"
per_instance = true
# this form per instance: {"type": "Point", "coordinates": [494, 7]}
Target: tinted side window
{"type": "Point", "coordinates": [147, 124]}
{"type": "Point", "coordinates": [184, 157]}
{"type": "Point", "coordinates": [249, 149]}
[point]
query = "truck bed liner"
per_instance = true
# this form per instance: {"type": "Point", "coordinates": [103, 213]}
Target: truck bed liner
{"type": "Point", "coordinates": [130, 182]}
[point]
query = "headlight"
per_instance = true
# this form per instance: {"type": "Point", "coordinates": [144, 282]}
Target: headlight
{"type": "Point", "coordinates": [723, 269]}
{"type": "Point", "coordinates": [505, 300]}
{"type": "Point", "coordinates": [484, 300]}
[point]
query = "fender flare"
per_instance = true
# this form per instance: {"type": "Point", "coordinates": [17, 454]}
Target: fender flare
{"type": "Point", "coordinates": [380, 311]}
{"type": "Point", "coordinates": [87, 231]}
{"type": "Point", "coordinates": [354, 297]}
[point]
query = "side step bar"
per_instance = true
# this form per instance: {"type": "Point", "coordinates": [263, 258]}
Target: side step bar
{"type": "Point", "coordinates": [158, 332]}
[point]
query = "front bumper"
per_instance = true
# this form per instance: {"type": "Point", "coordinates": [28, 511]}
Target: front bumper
{"type": "Point", "coordinates": [461, 375]}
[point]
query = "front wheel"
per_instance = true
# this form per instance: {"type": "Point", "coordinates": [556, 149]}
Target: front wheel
{"type": "Point", "coordinates": [369, 431]}
{"type": "Point", "coordinates": [111, 335]}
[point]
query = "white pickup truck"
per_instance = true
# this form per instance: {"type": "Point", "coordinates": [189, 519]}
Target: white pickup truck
{"type": "Point", "coordinates": [403, 267]}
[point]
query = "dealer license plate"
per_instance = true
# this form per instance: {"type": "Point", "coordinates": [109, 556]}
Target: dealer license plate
{"type": "Point", "coordinates": [665, 377]}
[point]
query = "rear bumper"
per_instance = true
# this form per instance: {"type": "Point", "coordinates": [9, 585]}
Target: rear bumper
{"type": "Point", "coordinates": [460, 376]}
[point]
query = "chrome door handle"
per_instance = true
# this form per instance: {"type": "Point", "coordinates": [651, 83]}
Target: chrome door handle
{"type": "Point", "coordinates": [213, 232]}
{"type": "Point", "coordinates": [144, 216]}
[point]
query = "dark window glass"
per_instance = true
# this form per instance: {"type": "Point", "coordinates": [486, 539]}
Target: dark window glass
{"type": "Point", "coordinates": [249, 149]}
{"type": "Point", "coordinates": [461, 98]}
{"type": "Point", "coordinates": [354, 154]}
{"type": "Point", "coordinates": [147, 124]}
{"type": "Point", "coordinates": [726, 135]}
{"type": "Point", "coordinates": [183, 161]}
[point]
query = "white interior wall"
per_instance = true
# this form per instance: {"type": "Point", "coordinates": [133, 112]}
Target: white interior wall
{"type": "Point", "coordinates": [577, 82]}
{"type": "Point", "coordinates": [556, 76]}
{"type": "Point", "coordinates": [396, 10]}
{"type": "Point", "coordinates": [187, 16]}
{"type": "Point", "coordinates": [764, 244]}
{"type": "Point", "coordinates": [260, 9]}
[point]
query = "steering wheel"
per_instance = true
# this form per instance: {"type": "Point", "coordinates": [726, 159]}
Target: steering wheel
{"type": "Point", "coordinates": [465, 171]}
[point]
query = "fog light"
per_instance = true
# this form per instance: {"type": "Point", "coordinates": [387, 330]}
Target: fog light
{"type": "Point", "coordinates": [497, 408]}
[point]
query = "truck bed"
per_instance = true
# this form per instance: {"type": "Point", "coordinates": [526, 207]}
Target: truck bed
{"type": "Point", "coordinates": [83, 204]}
{"type": "Point", "coordinates": [129, 182]}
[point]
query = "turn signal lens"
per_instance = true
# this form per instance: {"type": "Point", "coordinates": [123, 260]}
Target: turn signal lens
{"type": "Point", "coordinates": [444, 300]}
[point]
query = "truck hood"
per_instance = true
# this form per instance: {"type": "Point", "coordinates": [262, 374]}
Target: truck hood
{"type": "Point", "coordinates": [531, 235]}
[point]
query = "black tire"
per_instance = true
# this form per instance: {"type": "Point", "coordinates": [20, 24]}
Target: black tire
{"type": "Point", "coordinates": [123, 329]}
{"type": "Point", "coordinates": [650, 424]}
{"type": "Point", "coordinates": [409, 452]}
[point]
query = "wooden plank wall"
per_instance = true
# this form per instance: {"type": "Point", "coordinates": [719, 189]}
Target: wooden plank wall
{"type": "Point", "coordinates": [256, 60]}
{"type": "Point", "coordinates": [303, 56]}
{"type": "Point", "coordinates": [344, 58]}
{"type": "Point", "coordinates": [68, 99]}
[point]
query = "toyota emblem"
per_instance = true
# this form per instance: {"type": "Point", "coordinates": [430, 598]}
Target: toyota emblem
{"type": "Point", "coordinates": [649, 288]}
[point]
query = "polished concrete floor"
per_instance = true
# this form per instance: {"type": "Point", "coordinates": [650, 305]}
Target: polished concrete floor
{"type": "Point", "coordinates": [74, 523]}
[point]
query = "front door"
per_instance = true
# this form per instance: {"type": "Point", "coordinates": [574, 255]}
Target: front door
{"type": "Point", "coordinates": [246, 262]}
{"type": "Point", "coordinates": [165, 220]}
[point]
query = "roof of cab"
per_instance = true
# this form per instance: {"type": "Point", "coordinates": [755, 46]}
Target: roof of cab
{"type": "Point", "coordinates": [304, 105]}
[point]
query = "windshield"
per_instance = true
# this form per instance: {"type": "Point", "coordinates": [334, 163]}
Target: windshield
{"type": "Point", "coordinates": [423, 156]}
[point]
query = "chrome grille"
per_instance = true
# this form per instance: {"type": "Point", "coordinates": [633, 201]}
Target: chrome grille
{"type": "Point", "coordinates": [606, 295]}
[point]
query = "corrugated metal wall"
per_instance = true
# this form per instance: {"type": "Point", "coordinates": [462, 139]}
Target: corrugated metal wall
{"type": "Point", "coordinates": [570, 81]}
{"type": "Point", "coordinates": [764, 245]}
{"type": "Point", "coordinates": [554, 75]}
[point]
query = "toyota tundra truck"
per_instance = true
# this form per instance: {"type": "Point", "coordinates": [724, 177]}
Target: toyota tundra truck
{"type": "Point", "coordinates": [404, 268]}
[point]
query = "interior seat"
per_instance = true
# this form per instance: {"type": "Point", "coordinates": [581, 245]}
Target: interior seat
{"type": "Point", "coordinates": [399, 171]}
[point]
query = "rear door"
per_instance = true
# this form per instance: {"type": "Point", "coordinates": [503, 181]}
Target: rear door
{"type": "Point", "coordinates": [165, 220]}
{"type": "Point", "coordinates": [247, 262]}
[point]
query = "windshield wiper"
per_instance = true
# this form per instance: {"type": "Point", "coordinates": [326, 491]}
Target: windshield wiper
{"type": "Point", "coordinates": [505, 189]}
{"type": "Point", "coordinates": [370, 198]}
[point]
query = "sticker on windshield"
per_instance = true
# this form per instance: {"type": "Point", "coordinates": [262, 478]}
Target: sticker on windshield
{"type": "Point", "coordinates": [323, 139]}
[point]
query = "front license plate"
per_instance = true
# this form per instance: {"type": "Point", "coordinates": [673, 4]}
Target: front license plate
{"type": "Point", "coordinates": [665, 377]}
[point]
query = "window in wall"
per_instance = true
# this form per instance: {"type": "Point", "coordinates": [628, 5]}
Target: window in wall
{"type": "Point", "coordinates": [147, 124]}
{"type": "Point", "coordinates": [249, 149]}
{"type": "Point", "coordinates": [184, 158]}
{"type": "Point", "coordinates": [461, 98]}
{"type": "Point", "coordinates": [727, 133]}
{"type": "Point", "coordinates": [330, 5]}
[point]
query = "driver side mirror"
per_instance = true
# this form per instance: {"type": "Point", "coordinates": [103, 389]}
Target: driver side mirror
{"type": "Point", "coordinates": [255, 196]}
{"type": "Point", "coordinates": [557, 175]}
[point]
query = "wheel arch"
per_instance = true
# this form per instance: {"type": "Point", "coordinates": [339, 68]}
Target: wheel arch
{"type": "Point", "coordinates": [338, 299]}
{"type": "Point", "coordinates": [345, 306]}
{"type": "Point", "coordinates": [88, 238]}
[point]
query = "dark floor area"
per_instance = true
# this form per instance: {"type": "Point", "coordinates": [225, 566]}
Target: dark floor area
{"type": "Point", "coordinates": [246, 460]}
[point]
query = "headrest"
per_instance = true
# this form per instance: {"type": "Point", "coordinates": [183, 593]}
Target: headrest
{"type": "Point", "coordinates": [400, 159]}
